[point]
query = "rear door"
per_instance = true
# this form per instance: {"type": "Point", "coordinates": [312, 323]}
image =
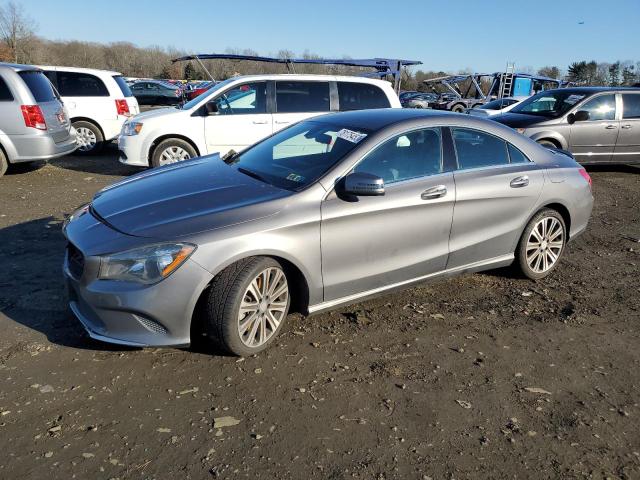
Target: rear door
{"type": "Point", "coordinates": [361, 96]}
{"type": "Point", "coordinates": [48, 101]}
{"type": "Point", "coordinates": [628, 144]}
{"type": "Point", "coordinates": [242, 118]}
{"type": "Point", "coordinates": [297, 100]}
{"type": "Point", "coordinates": [496, 190]}
{"type": "Point", "coordinates": [594, 140]}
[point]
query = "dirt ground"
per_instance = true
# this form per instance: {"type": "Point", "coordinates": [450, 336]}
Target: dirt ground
{"type": "Point", "coordinates": [483, 376]}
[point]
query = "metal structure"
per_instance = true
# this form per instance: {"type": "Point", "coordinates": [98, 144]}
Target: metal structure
{"type": "Point", "coordinates": [383, 66]}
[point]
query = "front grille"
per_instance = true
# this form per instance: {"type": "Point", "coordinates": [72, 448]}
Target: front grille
{"type": "Point", "coordinates": [75, 261]}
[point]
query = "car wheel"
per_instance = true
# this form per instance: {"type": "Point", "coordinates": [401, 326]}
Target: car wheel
{"type": "Point", "coordinates": [547, 143]}
{"type": "Point", "coordinates": [458, 108]}
{"type": "Point", "coordinates": [88, 136]}
{"type": "Point", "coordinates": [172, 150]}
{"type": "Point", "coordinates": [247, 305]}
{"type": "Point", "coordinates": [4, 163]}
{"type": "Point", "coordinates": [542, 244]}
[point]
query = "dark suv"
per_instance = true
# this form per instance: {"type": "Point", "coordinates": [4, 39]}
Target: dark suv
{"type": "Point", "coordinates": [596, 124]}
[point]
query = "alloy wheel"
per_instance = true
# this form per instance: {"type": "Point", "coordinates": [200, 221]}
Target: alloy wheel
{"type": "Point", "coordinates": [263, 307]}
{"type": "Point", "coordinates": [544, 245]}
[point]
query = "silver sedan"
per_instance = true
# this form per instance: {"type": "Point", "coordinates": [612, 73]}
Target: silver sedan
{"type": "Point", "coordinates": [328, 212]}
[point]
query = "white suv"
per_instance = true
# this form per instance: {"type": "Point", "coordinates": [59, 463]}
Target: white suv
{"type": "Point", "coordinates": [98, 102]}
{"type": "Point", "coordinates": [239, 112]}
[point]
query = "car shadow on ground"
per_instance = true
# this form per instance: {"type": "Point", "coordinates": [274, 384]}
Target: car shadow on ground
{"type": "Point", "coordinates": [613, 168]}
{"type": "Point", "coordinates": [103, 163]}
{"type": "Point", "coordinates": [33, 291]}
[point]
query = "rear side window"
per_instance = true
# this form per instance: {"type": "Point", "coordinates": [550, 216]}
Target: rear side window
{"type": "Point", "coordinates": [631, 107]}
{"type": "Point", "coordinates": [74, 84]}
{"type": "Point", "coordinates": [361, 96]}
{"type": "Point", "coordinates": [515, 155]}
{"type": "Point", "coordinates": [478, 149]}
{"type": "Point", "coordinates": [294, 97]}
{"type": "Point", "coordinates": [39, 85]}
{"type": "Point", "coordinates": [124, 87]}
{"type": "Point", "coordinates": [5, 93]}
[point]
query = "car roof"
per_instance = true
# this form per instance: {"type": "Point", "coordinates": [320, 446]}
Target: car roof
{"type": "Point", "coordinates": [377, 119]}
{"type": "Point", "coordinates": [592, 89]}
{"type": "Point", "coordinates": [18, 67]}
{"type": "Point", "coordinates": [300, 76]}
{"type": "Point", "coordinates": [95, 71]}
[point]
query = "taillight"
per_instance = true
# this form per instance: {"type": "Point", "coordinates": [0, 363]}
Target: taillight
{"type": "Point", "coordinates": [33, 117]}
{"type": "Point", "coordinates": [585, 175]}
{"type": "Point", "coordinates": [122, 107]}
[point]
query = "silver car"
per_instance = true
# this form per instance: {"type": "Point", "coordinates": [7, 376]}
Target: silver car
{"type": "Point", "coordinates": [33, 122]}
{"type": "Point", "coordinates": [328, 212]}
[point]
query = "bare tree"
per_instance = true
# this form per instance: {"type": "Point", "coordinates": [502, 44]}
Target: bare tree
{"type": "Point", "coordinates": [16, 30]}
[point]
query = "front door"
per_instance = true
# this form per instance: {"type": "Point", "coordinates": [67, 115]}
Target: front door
{"type": "Point", "coordinates": [594, 140]}
{"type": "Point", "coordinates": [242, 118]}
{"type": "Point", "coordinates": [375, 242]}
{"type": "Point", "coordinates": [628, 145]}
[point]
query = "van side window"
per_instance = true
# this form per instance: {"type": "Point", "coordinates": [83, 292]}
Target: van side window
{"type": "Point", "coordinates": [292, 97]}
{"type": "Point", "coordinates": [602, 107]}
{"type": "Point", "coordinates": [250, 98]}
{"type": "Point", "coordinates": [631, 108]}
{"type": "Point", "coordinates": [73, 84]}
{"type": "Point", "coordinates": [476, 149]}
{"type": "Point", "coordinates": [5, 93]}
{"type": "Point", "coordinates": [361, 96]}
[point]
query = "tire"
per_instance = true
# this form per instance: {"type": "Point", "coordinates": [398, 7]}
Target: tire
{"type": "Point", "coordinates": [172, 150]}
{"type": "Point", "coordinates": [547, 143]}
{"type": "Point", "coordinates": [234, 287]}
{"type": "Point", "coordinates": [458, 108]}
{"type": "Point", "coordinates": [90, 138]}
{"type": "Point", "coordinates": [542, 230]}
{"type": "Point", "coordinates": [4, 163]}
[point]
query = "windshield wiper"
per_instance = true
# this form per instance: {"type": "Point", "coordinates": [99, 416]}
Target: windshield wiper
{"type": "Point", "coordinates": [252, 174]}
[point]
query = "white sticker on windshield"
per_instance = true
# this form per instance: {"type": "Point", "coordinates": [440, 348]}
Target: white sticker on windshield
{"type": "Point", "coordinates": [350, 135]}
{"type": "Point", "coordinates": [573, 99]}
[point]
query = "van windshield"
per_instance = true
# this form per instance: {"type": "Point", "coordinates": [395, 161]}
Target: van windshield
{"type": "Point", "coordinates": [39, 86]}
{"type": "Point", "coordinates": [217, 87]}
{"type": "Point", "coordinates": [551, 104]}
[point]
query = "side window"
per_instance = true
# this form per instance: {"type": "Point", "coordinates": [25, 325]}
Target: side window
{"type": "Point", "coordinates": [73, 84]}
{"type": "Point", "coordinates": [361, 96]}
{"type": "Point", "coordinates": [243, 99]}
{"type": "Point", "coordinates": [410, 155]}
{"type": "Point", "coordinates": [294, 97]}
{"type": "Point", "coordinates": [516, 156]}
{"type": "Point", "coordinates": [631, 104]}
{"type": "Point", "coordinates": [602, 107]}
{"type": "Point", "coordinates": [5, 93]}
{"type": "Point", "coordinates": [476, 149]}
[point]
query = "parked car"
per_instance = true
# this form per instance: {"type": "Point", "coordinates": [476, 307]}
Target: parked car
{"type": "Point", "coordinates": [240, 111]}
{"type": "Point", "coordinates": [496, 107]}
{"type": "Point", "coordinates": [406, 94]}
{"type": "Point", "coordinates": [596, 124]}
{"type": "Point", "coordinates": [33, 122]}
{"type": "Point", "coordinates": [421, 100]}
{"type": "Point", "coordinates": [198, 90]}
{"type": "Point", "coordinates": [151, 92]}
{"type": "Point", "coordinates": [329, 211]}
{"type": "Point", "coordinates": [98, 102]}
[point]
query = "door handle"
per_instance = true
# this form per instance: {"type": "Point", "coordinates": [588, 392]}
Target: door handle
{"type": "Point", "coordinates": [282, 121]}
{"type": "Point", "coordinates": [626, 127]}
{"type": "Point", "coordinates": [610, 127]}
{"type": "Point", "coordinates": [519, 182]}
{"type": "Point", "coordinates": [434, 192]}
{"type": "Point", "coordinates": [260, 122]}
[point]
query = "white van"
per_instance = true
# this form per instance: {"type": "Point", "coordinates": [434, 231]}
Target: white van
{"type": "Point", "coordinates": [98, 102]}
{"type": "Point", "coordinates": [239, 112]}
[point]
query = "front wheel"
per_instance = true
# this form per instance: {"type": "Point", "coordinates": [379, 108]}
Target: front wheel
{"type": "Point", "coordinates": [172, 150]}
{"type": "Point", "coordinates": [542, 244]}
{"type": "Point", "coordinates": [4, 163]}
{"type": "Point", "coordinates": [247, 305]}
{"type": "Point", "coordinates": [459, 108]}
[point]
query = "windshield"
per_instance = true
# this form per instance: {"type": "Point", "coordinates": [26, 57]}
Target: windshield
{"type": "Point", "coordinates": [551, 104]}
{"type": "Point", "coordinates": [498, 104]}
{"type": "Point", "coordinates": [39, 85]}
{"type": "Point", "coordinates": [218, 86]}
{"type": "Point", "coordinates": [298, 156]}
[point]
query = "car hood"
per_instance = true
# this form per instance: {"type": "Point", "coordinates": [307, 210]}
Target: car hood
{"type": "Point", "coordinates": [521, 120]}
{"type": "Point", "coordinates": [158, 112]}
{"type": "Point", "coordinates": [184, 199]}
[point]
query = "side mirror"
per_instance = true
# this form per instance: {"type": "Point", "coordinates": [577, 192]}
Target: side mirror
{"type": "Point", "coordinates": [211, 108]}
{"type": "Point", "coordinates": [363, 184]}
{"type": "Point", "coordinates": [581, 116]}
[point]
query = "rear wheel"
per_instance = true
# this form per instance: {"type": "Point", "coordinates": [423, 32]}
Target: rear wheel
{"type": "Point", "coordinates": [4, 163]}
{"type": "Point", "coordinates": [458, 108]}
{"type": "Point", "coordinates": [542, 244]}
{"type": "Point", "coordinates": [89, 137]}
{"type": "Point", "coordinates": [172, 150]}
{"type": "Point", "coordinates": [247, 305]}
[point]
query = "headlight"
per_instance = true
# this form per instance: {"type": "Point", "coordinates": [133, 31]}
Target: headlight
{"type": "Point", "coordinates": [145, 265]}
{"type": "Point", "coordinates": [520, 130]}
{"type": "Point", "coordinates": [131, 128]}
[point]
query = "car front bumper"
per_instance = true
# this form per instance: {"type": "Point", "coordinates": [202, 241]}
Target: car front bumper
{"type": "Point", "coordinates": [133, 150]}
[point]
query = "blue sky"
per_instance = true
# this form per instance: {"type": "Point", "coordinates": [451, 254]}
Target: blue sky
{"type": "Point", "coordinates": [481, 35]}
